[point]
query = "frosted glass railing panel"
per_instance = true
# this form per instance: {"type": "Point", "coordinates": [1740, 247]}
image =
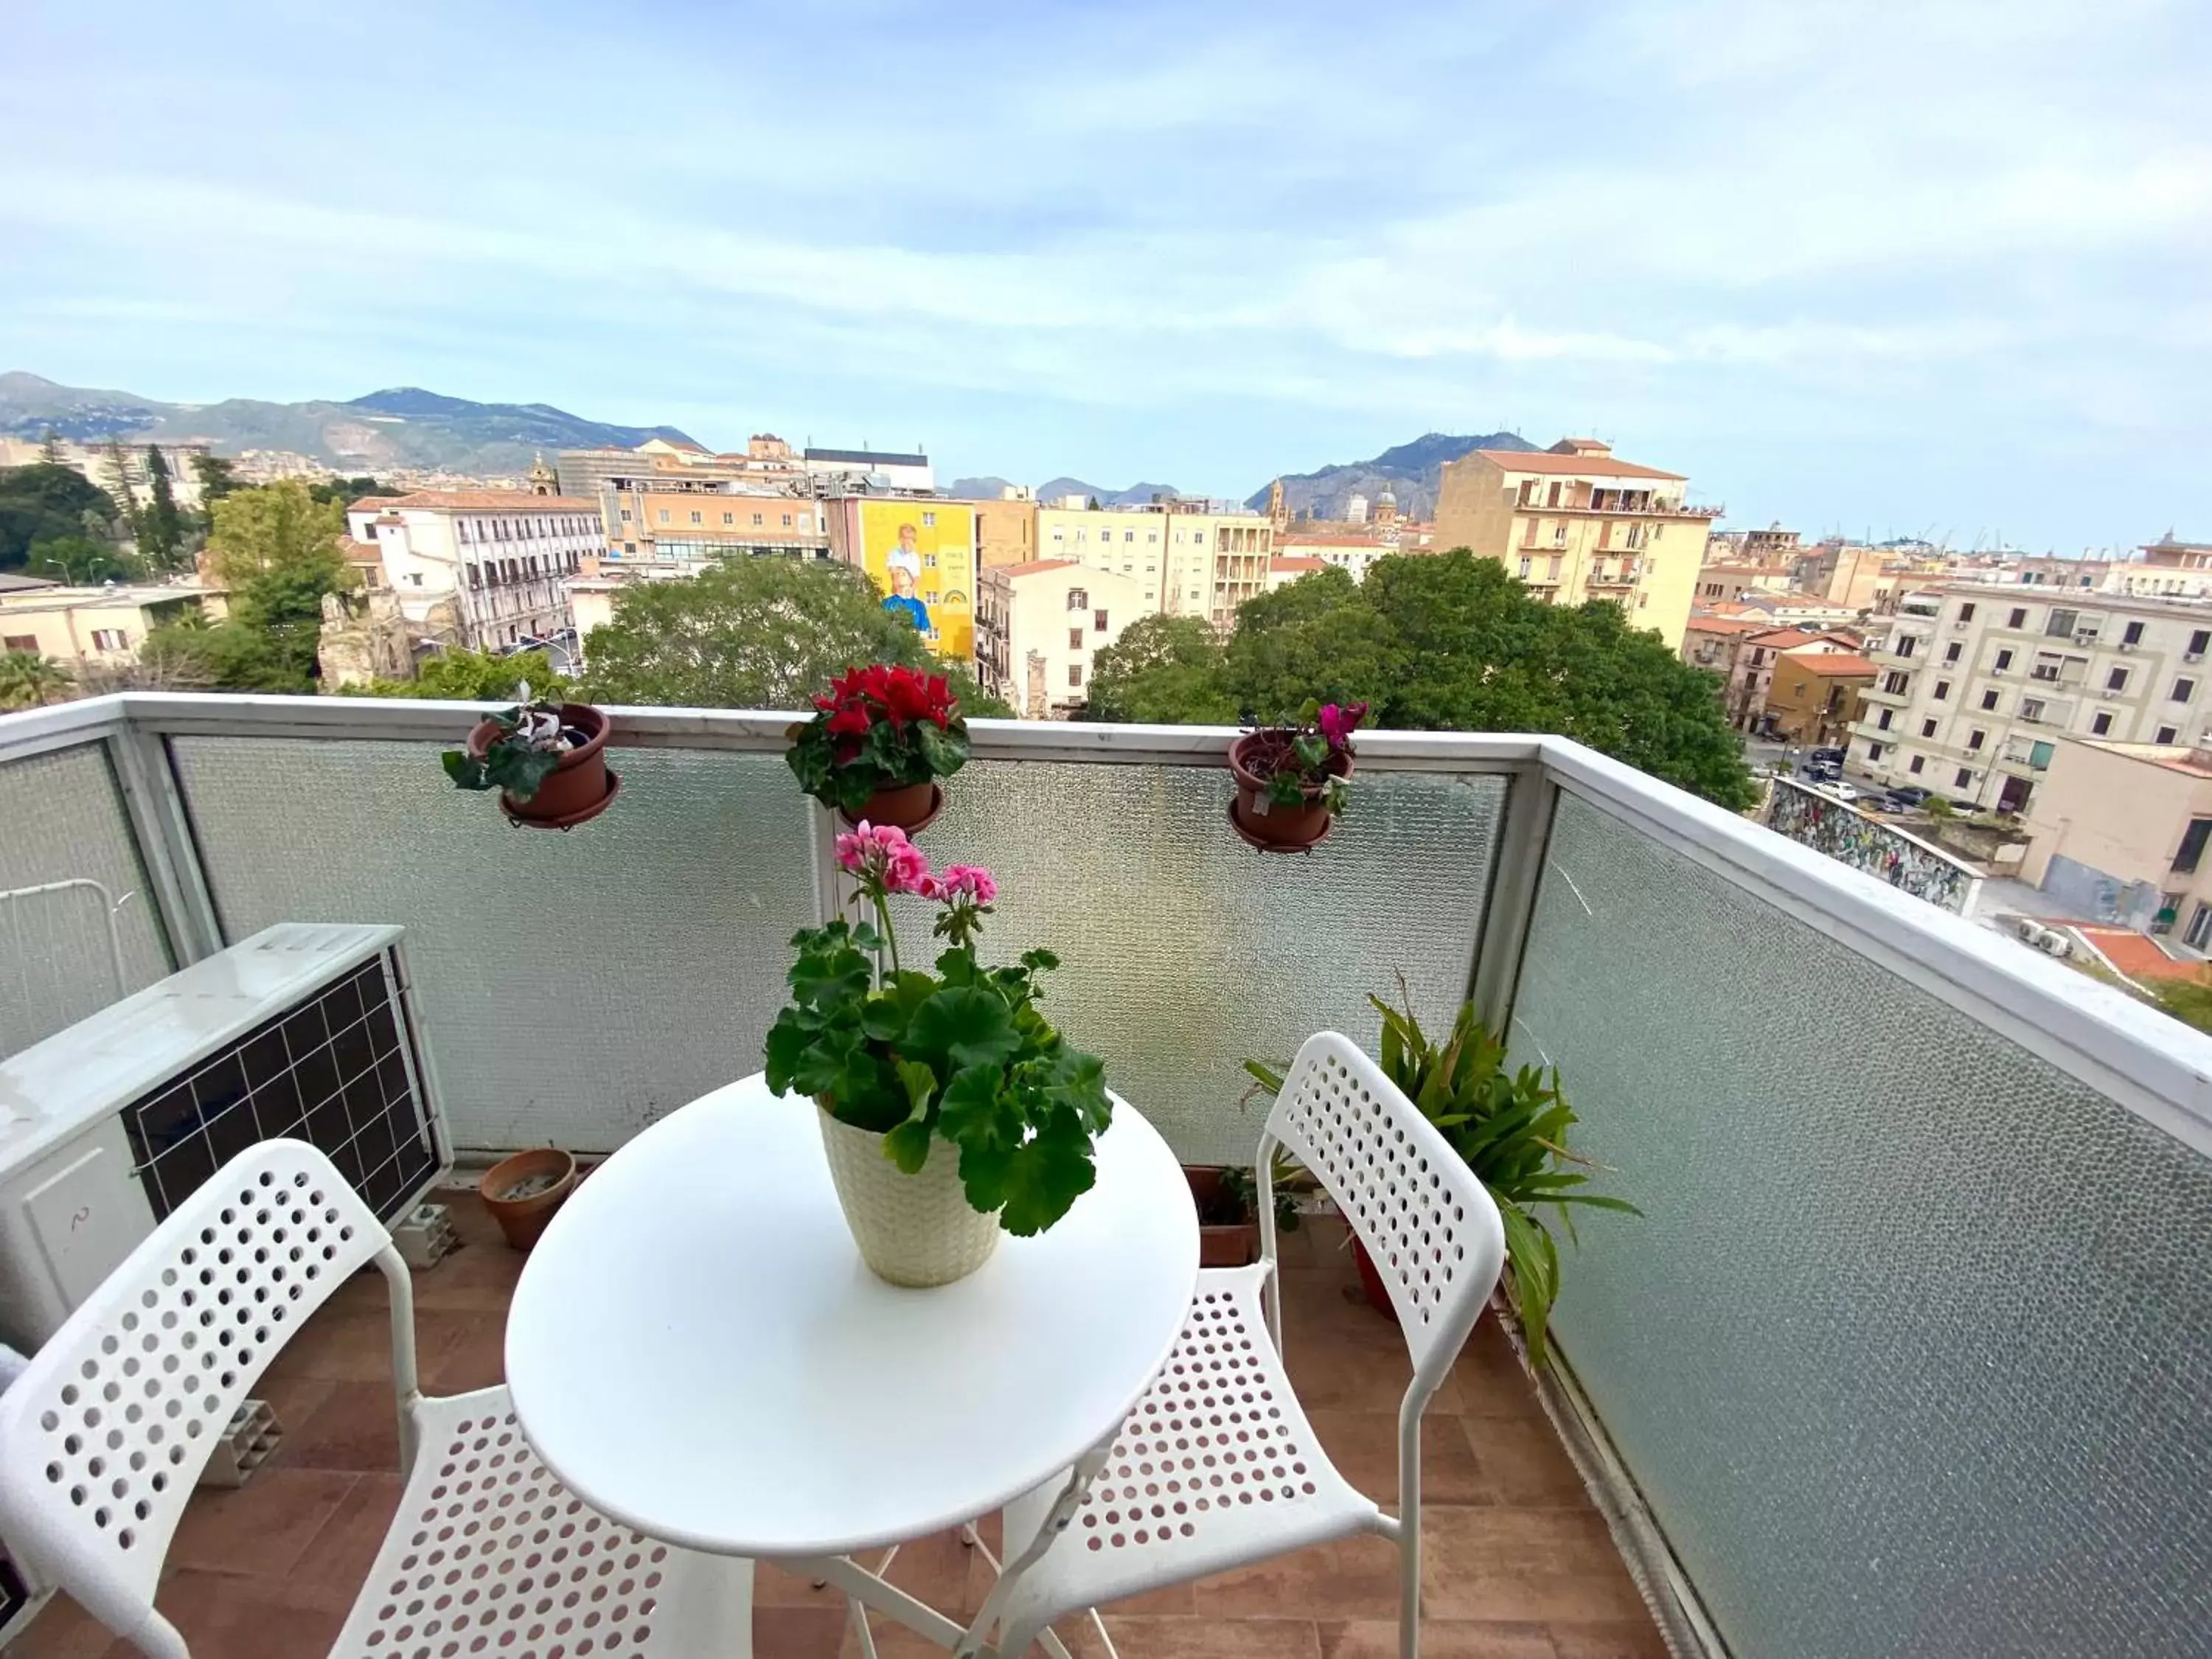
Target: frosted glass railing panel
{"type": "Point", "coordinates": [61, 819]}
{"type": "Point", "coordinates": [1183, 950]}
{"type": "Point", "coordinates": [575, 987]}
{"type": "Point", "coordinates": [1912, 1353]}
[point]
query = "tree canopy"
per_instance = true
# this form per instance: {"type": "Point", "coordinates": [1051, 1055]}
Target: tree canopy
{"type": "Point", "coordinates": [276, 550]}
{"type": "Point", "coordinates": [80, 562]}
{"type": "Point", "coordinates": [46, 502]}
{"type": "Point", "coordinates": [472, 676]}
{"type": "Point", "coordinates": [755, 633]}
{"type": "Point", "coordinates": [160, 526]}
{"type": "Point", "coordinates": [1439, 642]}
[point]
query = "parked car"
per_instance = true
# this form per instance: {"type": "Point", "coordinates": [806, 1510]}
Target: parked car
{"type": "Point", "coordinates": [1820, 772]}
{"type": "Point", "coordinates": [1908, 797]}
{"type": "Point", "coordinates": [1826, 756]}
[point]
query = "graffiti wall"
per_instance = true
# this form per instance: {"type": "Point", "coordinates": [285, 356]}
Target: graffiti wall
{"type": "Point", "coordinates": [921, 555]}
{"type": "Point", "coordinates": [1850, 837]}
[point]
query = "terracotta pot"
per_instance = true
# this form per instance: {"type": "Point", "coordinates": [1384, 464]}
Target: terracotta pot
{"type": "Point", "coordinates": [1267, 825]}
{"type": "Point", "coordinates": [545, 1177]}
{"type": "Point", "coordinates": [917, 1231]}
{"type": "Point", "coordinates": [1220, 1244]}
{"type": "Point", "coordinates": [1370, 1280]}
{"type": "Point", "coordinates": [911, 806]}
{"type": "Point", "coordinates": [578, 788]}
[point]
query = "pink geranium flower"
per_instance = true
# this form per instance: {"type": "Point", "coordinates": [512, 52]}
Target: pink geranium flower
{"type": "Point", "coordinates": [881, 855]}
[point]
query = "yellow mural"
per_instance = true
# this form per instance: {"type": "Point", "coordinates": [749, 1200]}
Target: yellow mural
{"type": "Point", "coordinates": [921, 556]}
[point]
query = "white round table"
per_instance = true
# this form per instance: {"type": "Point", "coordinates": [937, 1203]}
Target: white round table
{"type": "Point", "coordinates": [697, 1350]}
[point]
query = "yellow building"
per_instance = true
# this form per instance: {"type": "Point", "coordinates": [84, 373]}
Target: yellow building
{"type": "Point", "coordinates": [1574, 524]}
{"type": "Point", "coordinates": [1185, 562]}
{"type": "Point", "coordinates": [920, 551]}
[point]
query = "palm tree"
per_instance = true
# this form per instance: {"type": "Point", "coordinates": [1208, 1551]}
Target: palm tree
{"type": "Point", "coordinates": [28, 680]}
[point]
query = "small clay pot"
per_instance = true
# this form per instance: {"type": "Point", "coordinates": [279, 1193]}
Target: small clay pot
{"type": "Point", "coordinates": [1264, 823]}
{"type": "Point", "coordinates": [1220, 1244]}
{"type": "Point", "coordinates": [579, 788]}
{"type": "Point", "coordinates": [911, 806]}
{"type": "Point", "coordinates": [544, 1177]}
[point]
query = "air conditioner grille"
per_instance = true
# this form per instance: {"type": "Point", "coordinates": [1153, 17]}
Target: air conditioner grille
{"type": "Point", "coordinates": [337, 1072]}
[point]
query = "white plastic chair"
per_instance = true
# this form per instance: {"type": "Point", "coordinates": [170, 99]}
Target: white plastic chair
{"type": "Point", "coordinates": [103, 1437]}
{"type": "Point", "coordinates": [1216, 1466]}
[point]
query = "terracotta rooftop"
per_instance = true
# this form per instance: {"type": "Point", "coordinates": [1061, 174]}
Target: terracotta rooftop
{"type": "Point", "coordinates": [1837, 663]}
{"type": "Point", "coordinates": [2134, 954]}
{"type": "Point", "coordinates": [1591, 466]}
{"type": "Point", "coordinates": [1296, 562]}
{"type": "Point", "coordinates": [504, 501]}
{"type": "Point", "coordinates": [1294, 539]}
{"type": "Point", "coordinates": [1726, 625]}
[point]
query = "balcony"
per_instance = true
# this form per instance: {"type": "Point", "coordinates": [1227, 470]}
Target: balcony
{"type": "Point", "coordinates": [1980, 1297]}
{"type": "Point", "coordinates": [1879, 694]}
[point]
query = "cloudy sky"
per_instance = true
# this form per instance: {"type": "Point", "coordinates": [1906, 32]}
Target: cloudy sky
{"type": "Point", "coordinates": [1935, 268]}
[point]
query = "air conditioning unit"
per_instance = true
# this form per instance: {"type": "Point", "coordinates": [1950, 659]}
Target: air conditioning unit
{"type": "Point", "coordinates": [2192, 656]}
{"type": "Point", "coordinates": [306, 1030]}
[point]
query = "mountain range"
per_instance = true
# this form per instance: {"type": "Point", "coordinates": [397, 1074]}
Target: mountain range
{"type": "Point", "coordinates": [1137, 495]}
{"type": "Point", "coordinates": [1412, 472]}
{"type": "Point", "coordinates": [403, 427]}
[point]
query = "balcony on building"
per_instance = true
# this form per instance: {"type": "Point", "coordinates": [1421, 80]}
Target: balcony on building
{"type": "Point", "coordinates": [1907, 1355]}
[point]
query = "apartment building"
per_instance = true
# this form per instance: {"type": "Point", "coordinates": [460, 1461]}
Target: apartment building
{"type": "Point", "coordinates": [92, 627]}
{"type": "Point", "coordinates": [1721, 584]}
{"type": "Point", "coordinates": [1185, 562]}
{"type": "Point", "coordinates": [1576, 524]}
{"type": "Point", "coordinates": [1978, 682]}
{"type": "Point", "coordinates": [1355, 554]}
{"type": "Point", "coordinates": [766, 461]}
{"type": "Point", "coordinates": [1751, 671]}
{"type": "Point", "coordinates": [2120, 831]}
{"type": "Point", "coordinates": [1285, 569]}
{"type": "Point", "coordinates": [1038, 626]}
{"type": "Point", "coordinates": [483, 569]}
{"type": "Point", "coordinates": [1773, 545]}
{"type": "Point", "coordinates": [685, 524]}
{"type": "Point", "coordinates": [2167, 569]}
{"type": "Point", "coordinates": [121, 465]}
{"type": "Point", "coordinates": [1006, 527]}
{"type": "Point", "coordinates": [1813, 697]}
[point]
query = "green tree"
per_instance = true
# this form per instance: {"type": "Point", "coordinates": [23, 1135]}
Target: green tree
{"type": "Point", "coordinates": [50, 451]}
{"type": "Point", "coordinates": [217, 479]}
{"type": "Point", "coordinates": [1163, 670]}
{"type": "Point", "coordinates": [277, 527]}
{"type": "Point", "coordinates": [472, 676]}
{"type": "Point", "coordinates": [81, 562]}
{"type": "Point", "coordinates": [277, 552]}
{"type": "Point", "coordinates": [28, 680]}
{"type": "Point", "coordinates": [225, 656]}
{"type": "Point", "coordinates": [45, 502]}
{"type": "Point", "coordinates": [1451, 642]}
{"type": "Point", "coordinates": [126, 501]}
{"type": "Point", "coordinates": [346, 490]}
{"type": "Point", "coordinates": [160, 526]}
{"type": "Point", "coordinates": [755, 633]}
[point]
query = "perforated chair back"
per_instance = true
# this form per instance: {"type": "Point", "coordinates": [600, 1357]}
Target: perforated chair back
{"type": "Point", "coordinates": [1431, 1228]}
{"type": "Point", "coordinates": [104, 1435]}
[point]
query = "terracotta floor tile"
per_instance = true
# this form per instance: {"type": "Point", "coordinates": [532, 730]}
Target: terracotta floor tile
{"type": "Point", "coordinates": [1637, 1638]}
{"type": "Point", "coordinates": [354, 1344]}
{"type": "Point", "coordinates": [63, 1630]}
{"type": "Point", "coordinates": [1376, 1638]}
{"type": "Point", "coordinates": [1351, 1578]}
{"type": "Point", "coordinates": [789, 1632]}
{"type": "Point", "coordinates": [264, 1527]}
{"type": "Point", "coordinates": [1205, 1638]}
{"type": "Point", "coordinates": [478, 1278]}
{"type": "Point", "coordinates": [339, 1556]}
{"type": "Point", "coordinates": [778, 1587]}
{"type": "Point", "coordinates": [1522, 1461]}
{"type": "Point", "coordinates": [242, 1618]}
{"type": "Point", "coordinates": [1524, 1563]}
{"type": "Point", "coordinates": [1364, 1446]}
{"type": "Point", "coordinates": [475, 1358]}
{"type": "Point", "coordinates": [354, 1426]}
{"type": "Point", "coordinates": [1488, 1379]}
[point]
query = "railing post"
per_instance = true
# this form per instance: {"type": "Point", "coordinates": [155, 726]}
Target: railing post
{"type": "Point", "coordinates": [155, 808]}
{"type": "Point", "coordinates": [1523, 841]}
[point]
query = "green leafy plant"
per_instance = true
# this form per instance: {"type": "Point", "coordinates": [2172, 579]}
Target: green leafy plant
{"type": "Point", "coordinates": [1509, 1127]}
{"type": "Point", "coordinates": [963, 1054]}
{"type": "Point", "coordinates": [880, 727]}
{"type": "Point", "coordinates": [1304, 759]}
{"type": "Point", "coordinates": [528, 749]}
{"type": "Point", "coordinates": [1240, 1187]}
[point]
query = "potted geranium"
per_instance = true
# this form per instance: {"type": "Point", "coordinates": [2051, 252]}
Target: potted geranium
{"type": "Point", "coordinates": [1290, 776]}
{"type": "Point", "coordinates": [878, 743]}
{"type": "Point", "coordinates": [949, 1109]}
{"type": "Point", "coordinates": [547, 760]}
{"type": "Point", "coordinates": [1227, 1197]}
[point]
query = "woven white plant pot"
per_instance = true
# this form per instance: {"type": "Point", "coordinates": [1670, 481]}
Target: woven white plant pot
{"type": "Point", "coordinates": [913, 1230]}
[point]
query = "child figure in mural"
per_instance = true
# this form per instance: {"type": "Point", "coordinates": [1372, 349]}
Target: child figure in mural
{"type": "Point", "coordinates": [904, 567]}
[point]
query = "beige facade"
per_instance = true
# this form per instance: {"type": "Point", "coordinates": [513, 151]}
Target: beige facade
{"type": "Point", "coordinates": [1005, 530]}
{"type": "Point", "coordinates": [688, 523]}
{"type": "Point", "coordinates": [1184, 563]}
{"type": "Point", "coordinates": [2121, 830]}
{"type": "Point", "coordinates": [94, 627]}
{"type": "Point", "coordinates": [1813, 697]}
{"type": "Point", "coordinates": [1978, 682]}
{"type": "Point", "coordinates": [1285, 568]}
{"type": "Point", "coordinates": [97, 464]}
{"type": "Point", "coordinates": [1038, 626]}
{"type": "Point", "coordinates": [503, 558]}
{"type": "Point", "coordinates": [1574, 524]}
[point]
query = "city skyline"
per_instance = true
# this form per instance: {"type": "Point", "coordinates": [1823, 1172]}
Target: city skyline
{"type": "Point", "coordinates": [1927, 277]}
